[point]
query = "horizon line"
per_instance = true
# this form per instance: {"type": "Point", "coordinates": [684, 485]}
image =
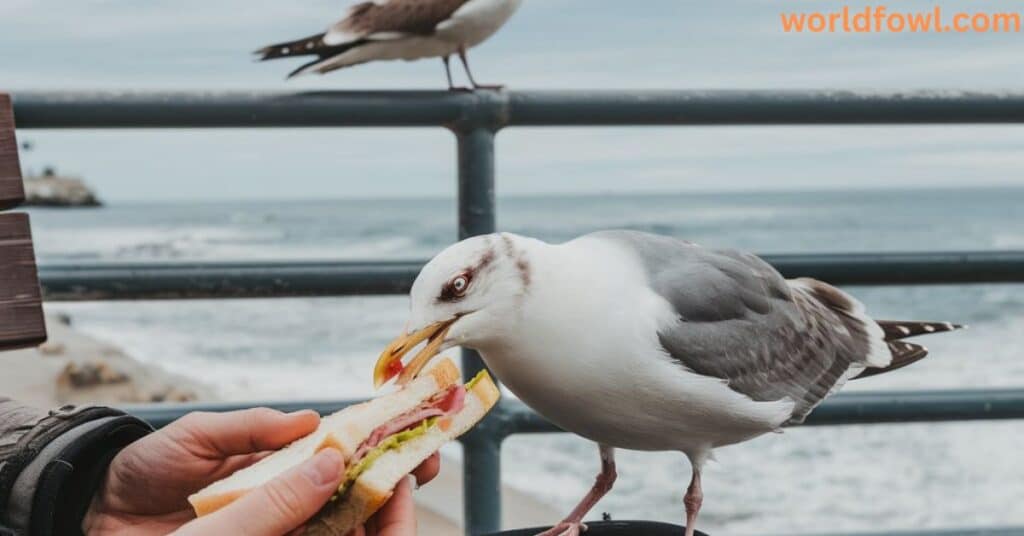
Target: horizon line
{"type": "Point", "coordinates": [572, 194]}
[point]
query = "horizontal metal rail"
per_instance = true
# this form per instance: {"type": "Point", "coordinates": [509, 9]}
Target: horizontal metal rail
{"type": "Point", "coordinates": [260, 280]}
{"type": "Point", "coordinates": [496, 109]}
{"type": "Point", "coordinates": [512, 417]}
{"type": "Point", "coordinates": [859, 408]}
{"type": "Point", "coordinates": [224, 280]}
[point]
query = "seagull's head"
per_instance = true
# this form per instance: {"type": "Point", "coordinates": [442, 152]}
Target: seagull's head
{"type": "Point", "coordinates": [466, 295]}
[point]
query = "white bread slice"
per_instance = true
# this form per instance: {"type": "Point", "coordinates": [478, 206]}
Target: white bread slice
{"type": "Point", "coordinates": [344, 430]}
{"type": "Point", "coordinates": [374, 487]}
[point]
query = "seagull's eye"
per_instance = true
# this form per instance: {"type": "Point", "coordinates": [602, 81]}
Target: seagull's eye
{"type": "Point", "coordinates": [456, 288]}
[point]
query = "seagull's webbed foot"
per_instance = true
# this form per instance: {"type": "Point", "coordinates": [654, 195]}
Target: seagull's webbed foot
{"type": "Point", "coordinates": [491, 87]}
{"type": "Point", "coordinates": [460, 89]}
{"type": "Point", "coordinates": [565, 528]}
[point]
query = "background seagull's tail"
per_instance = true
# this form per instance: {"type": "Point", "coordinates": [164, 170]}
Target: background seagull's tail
{"type": "Point", "coordinates": [309, 46]}
{"type": "Point", "coordinates": [905, 353]}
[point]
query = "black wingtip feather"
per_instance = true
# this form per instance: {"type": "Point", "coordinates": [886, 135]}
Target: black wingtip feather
{"type": "Point", "coordinates": [897, 330]}
{"type": "Point", "coordinates": [903, 354]}
{"type": "Point", "coordinates": [310, 45]}
{"type": "Point", "coordinates": [298, 70]}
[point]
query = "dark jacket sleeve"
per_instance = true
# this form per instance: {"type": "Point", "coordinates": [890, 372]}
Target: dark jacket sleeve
{"type": "Point", "coordinates": [51, 463]}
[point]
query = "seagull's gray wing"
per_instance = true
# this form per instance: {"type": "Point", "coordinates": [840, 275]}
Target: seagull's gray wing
{"type": "Point", "coordinates": [741, 321]}
{"type": "Point", "coordinates": [391, 18]}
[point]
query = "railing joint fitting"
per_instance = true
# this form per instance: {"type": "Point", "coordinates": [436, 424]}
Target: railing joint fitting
{"type": "Point", "coordinates": [485, 109]}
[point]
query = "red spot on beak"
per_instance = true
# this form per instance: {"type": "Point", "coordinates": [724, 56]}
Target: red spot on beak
{"type": "Point", "coordinates": [394, 369]}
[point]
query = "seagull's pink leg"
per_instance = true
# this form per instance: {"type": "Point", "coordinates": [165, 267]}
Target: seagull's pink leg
{"type": "Point", "coordinates": [693, 499]}
{"type": "Point", "coordinates": [573, 524]}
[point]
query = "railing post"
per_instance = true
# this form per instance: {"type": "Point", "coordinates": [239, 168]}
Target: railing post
{"type": "Point", "coordinates": [481, 452]}
{"type": "Point", "coordinates": [476, 201]}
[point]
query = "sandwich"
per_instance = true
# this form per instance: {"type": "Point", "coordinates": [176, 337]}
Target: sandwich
{"type": "Point", "coordinates": [382, 441]}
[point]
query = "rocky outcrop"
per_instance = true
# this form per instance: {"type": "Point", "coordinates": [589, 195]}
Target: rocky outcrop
{"type": "Point", "coordinates": [52, 190]}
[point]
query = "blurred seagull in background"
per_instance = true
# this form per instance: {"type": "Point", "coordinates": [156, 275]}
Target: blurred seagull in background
{"type": "Point", "coordinates": [400, 29]}
{"type": "Point", "coordinates": [646, 342]}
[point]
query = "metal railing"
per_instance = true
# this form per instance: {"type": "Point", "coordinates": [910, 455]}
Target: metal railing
{"type": "Point", "coordinates": [475, 119]}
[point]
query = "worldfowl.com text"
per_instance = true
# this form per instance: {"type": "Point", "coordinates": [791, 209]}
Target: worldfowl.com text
{"type": "Point", "coordinates": [882, 19]}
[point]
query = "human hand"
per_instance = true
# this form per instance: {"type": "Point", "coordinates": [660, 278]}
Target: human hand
{"type": "Point", "coordinates": [147, 485]}
{"type": "Point", "coordinates": [398, 516]}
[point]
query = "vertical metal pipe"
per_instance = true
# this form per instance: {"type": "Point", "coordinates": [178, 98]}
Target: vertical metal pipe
{"type": "Point", "coordinates": [476, 182]}
{"type": "Point", "coordinates": [481, 448]}
{"type": "Point", "coordinates": [476, 202]}
{"type": "Point", "coordinates": [481, 474]}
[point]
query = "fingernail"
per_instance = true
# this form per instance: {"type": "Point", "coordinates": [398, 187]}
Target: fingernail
{"type": "Point", "coordinates": [303, 412]}
{"type": "Point", "coordinates": [326, 467]}
{"type": "Point", "coordinates": [415, 482]}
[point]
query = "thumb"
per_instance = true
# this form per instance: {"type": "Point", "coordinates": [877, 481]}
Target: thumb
{"type": "Point", "coordinates": [279, 506]}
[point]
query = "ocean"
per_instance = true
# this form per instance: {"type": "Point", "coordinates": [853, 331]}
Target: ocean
{"type": "Point", "coordinates": [812, 479]}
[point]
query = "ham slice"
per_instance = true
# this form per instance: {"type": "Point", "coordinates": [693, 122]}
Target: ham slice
{"type": "Point", "coordinates": [442, 404]}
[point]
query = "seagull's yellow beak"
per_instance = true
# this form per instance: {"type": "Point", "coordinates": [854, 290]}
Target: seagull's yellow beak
{"type": "Point", "coordinates": [389, 364]}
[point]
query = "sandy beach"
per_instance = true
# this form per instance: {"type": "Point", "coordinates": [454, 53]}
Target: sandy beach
{"type": "Point", "coordinates": [73, 368]}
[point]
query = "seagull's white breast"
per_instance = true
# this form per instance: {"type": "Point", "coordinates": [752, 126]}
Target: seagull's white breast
{"type": "Point", "coordinates": [585, 354]}
{"type": "Point", "coordinates": [476, 20]}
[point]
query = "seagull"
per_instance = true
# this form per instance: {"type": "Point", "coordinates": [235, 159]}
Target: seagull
{"type": "Point", "coordinates": [646, 342]}
{"type": "Point", "coordinates": [400, 29]}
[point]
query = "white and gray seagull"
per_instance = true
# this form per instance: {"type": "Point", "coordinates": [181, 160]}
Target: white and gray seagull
{"type": "Point", "coordinates": [645, 342]}
{"type": "Point", "coordinates": [399, 29]}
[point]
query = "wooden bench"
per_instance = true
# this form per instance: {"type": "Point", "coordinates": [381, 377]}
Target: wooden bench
{"type": "Point", "coordinates": [21, 306]}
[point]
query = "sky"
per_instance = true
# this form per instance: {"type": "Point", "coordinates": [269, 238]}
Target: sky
{"type": "Point", "coordinates": [548, 44]}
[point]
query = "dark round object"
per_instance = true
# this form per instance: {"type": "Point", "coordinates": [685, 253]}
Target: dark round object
{"type": "Point", "coordinates": [611, 528]}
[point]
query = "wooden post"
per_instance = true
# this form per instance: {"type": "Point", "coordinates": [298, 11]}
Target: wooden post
{"type": "Point", "coordinates": [21, 305]}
